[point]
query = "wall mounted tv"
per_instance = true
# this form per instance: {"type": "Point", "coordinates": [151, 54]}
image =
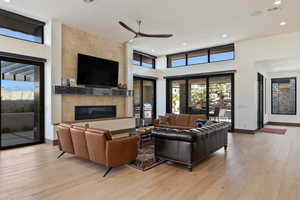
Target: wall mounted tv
{"type": "Point", "coordinates": [97, 72]}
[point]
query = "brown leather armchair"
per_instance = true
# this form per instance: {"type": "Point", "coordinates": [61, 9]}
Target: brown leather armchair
{"type": "Point", "coordinates": [97, 145]}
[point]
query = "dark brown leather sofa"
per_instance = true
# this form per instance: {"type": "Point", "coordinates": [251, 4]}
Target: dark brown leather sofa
{"type": "Point", "coordinates": [181, 121]}
{"type": "Point", "coordinates": [97, 145]}
{"type": "Point", "coordinates": [190, 147]}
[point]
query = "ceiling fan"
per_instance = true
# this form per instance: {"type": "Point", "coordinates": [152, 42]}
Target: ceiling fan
{"type": "Point", "coordinates": [139, 34]}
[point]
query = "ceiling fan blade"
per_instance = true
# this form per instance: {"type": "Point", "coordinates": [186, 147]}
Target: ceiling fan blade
{"type": "Point", "coordinates": [127, 27]}
{"type": "Point", "coordinates": [155, 35]}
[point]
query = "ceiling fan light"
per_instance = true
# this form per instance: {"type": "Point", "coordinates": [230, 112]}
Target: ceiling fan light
{"type": "Point", "coordinates": [88, 1]}
{"type": "Point", "coordinates": [224, 35]}
{"type": "Point", "coordinates": [282, 23]}
{"type": "Point", "coordinates": [277, 2]}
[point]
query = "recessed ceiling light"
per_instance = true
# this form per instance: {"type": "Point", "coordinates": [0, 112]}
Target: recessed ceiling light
{"type": "Point", "coordinates": [88, 1]}
{"type": "Point", "coordinates": [152, 50]}
{"type": "Point", "coordinates": [282, 23]}
{"type": "Point", "coordinates": [224, 35]}
{"type": "Point", "coordinates": [7, 1]}
{"type": "Point", "coordinates": [184, 44]}
{"type": "Point", "coordinates": [277, 2]}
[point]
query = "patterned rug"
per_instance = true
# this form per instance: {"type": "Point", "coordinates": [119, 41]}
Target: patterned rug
{"type": "Point", "coordinates": [273, 130]}
{"type": "Point", "coordinates": [146, 159]}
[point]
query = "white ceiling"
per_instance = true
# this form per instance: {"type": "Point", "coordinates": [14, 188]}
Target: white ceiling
{"type": "Point", "coordinates": [281, 65]}
{"type": "Point", "coordinates": [199, 23]}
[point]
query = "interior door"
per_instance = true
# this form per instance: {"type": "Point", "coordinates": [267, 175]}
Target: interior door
{"type": "Point", "coordinates": [22, 103]}
{"type": "Point", "coordinates": [137, 101]}
{"type": "Point", "coordinates": [260, 102]}
{"type": "Point", "coordinates": [144, 101]}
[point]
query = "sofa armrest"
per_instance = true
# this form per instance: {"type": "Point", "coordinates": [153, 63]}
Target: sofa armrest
{"type": "Point", "coordinates": [121, 151]}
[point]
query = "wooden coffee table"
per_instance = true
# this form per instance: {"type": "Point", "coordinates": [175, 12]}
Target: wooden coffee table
{"type": "Point", "coordinates": [144, 135]}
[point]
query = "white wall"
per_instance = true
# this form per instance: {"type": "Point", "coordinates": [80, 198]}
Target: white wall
{"type": "Point", "coordinates": [248, 54]}
{"type": "Point", "coordinates": [53, 74]}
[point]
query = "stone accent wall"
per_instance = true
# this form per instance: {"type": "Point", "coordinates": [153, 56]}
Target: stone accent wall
{"type": "Point", "coordinates": [76, 41]}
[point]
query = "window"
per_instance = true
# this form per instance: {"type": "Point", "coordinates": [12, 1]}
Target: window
{"type": "Point", "coordinates": [136, 59]}
{"type": "Point", "coordinates": [284, 96]}
{"type": "Point", "coordinates": [197, 57]}
{"type": "Point", "coordinates": [222, 53]}
{"type": "Point", "coordinates": [147, 62]}
{"type": "Point", "coordinates": [214, 54]}
{"type": "Point", "coordinates": [20, 27]}
{"type": "Point", "coordinates": [210, 95]}
{"type": "Point", "coordinates": [144, 60]}
{"type": "Point", "coordinates": [177, 60]}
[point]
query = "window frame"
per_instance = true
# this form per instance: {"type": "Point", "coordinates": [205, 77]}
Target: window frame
{"type": "Point", "coordinates": [276, 80]}
{"type": "Point", "coordinates": [144, 55]}
{"type": "Point", "coordinates": [169, 60]}
{"type": "Point", "coordinates": [208, 50]}
{"type": "Point", "coordinates": [25, 20]}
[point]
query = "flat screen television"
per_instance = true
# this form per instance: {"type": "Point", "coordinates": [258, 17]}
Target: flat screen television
{"type": "Point", "coordinates": [97, 72]}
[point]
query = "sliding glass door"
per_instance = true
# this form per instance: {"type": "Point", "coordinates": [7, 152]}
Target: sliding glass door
{"type": "Point", "coordinates": [212, 95]}
{"type": "Point", "coordinates": [144, 101]}
{"type": "Point", "coordinates": [197, 99]}
{"type": "Point", "coordinates": [178, 98]}
{"type": "Point", "coordinates": [220, 98]}
{"type": "Point", "coordinates": [22, 113]}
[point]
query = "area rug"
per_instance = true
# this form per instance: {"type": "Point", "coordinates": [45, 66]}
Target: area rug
{"type": "Point", "coordinates": [146, 159]}
{"type": "Point", "coordinates": [273, 131]}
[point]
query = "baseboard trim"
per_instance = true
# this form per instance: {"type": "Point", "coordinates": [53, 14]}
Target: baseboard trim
{"type": "Point", "coordinates": [51, 142]}
{"type": "Point", "coordinates": [283, 124]}
{"type": "Point", "coordinates": [246, 131]}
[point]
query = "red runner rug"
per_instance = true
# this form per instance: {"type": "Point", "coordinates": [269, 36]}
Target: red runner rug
{"type": "Point", "coordinates": [273, 130]}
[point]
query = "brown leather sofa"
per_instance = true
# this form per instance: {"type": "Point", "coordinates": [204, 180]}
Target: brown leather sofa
{"type": "Point", "coordinates": [181, 121]}
{"type": "Point", "coordinates": [97, 145]}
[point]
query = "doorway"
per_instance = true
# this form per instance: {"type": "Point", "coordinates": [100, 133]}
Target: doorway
{"type": "Point", "coordinates": [22, 102]}
{"type": "Point", "coordinates": [260, 101]}
{"type": "Point", "coordinates": [144, 101]}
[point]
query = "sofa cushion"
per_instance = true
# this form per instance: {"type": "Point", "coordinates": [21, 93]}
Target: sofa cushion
{"type": "Point", "coordinates": [182, 120]}
{"type": "Point", "coordinates": [79, 142]}
{"type": "Point", "coordinates": [171, 118]}
{"type": "Point", "coordinates": [163, 119]}
{"type": "Point", "coordinates": [107, 133]}
{"type": "Point", "coordinates": [64, 138]}
{"type": "Point", "coordinates": [96, 146]}
{"type": "Point", "coordinates": [194, 118]}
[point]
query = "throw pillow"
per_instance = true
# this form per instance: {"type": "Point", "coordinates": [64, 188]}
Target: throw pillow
{"type": "Point", "coordinates": [163, 119]}
{"type": "Point", "coordinates": [200, 123]}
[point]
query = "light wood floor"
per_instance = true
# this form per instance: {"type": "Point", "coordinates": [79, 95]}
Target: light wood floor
{"type": "Point", "coordinates": [256, 167]}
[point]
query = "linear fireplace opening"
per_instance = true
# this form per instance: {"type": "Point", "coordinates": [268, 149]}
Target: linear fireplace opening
{"type": "Point", "coordinates": [94, 112]}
